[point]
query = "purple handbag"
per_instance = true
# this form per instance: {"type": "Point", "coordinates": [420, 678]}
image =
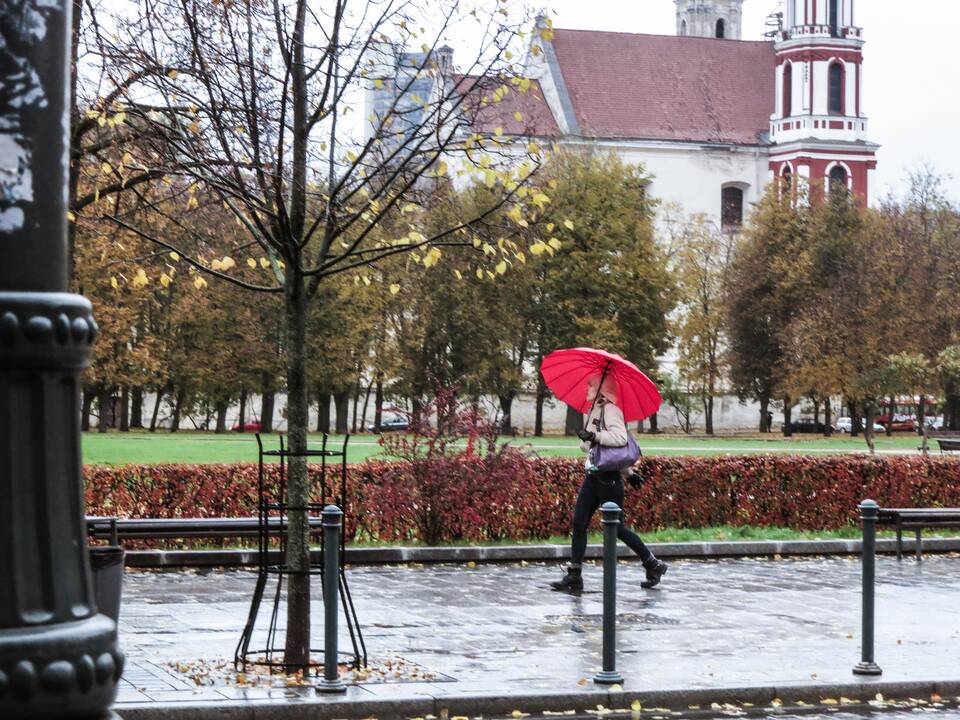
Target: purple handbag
{"type": "Point", "coordinates": [608, 459]}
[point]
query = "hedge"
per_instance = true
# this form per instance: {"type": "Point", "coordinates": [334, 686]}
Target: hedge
{"type": "Point", "coordinates": [511, 496]}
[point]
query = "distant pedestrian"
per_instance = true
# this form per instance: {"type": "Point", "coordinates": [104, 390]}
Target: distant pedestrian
{"type": "Point", "coordinates": [604, 427]}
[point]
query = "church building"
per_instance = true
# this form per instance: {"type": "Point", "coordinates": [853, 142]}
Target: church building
{"type": "Point", "coordinates": [712, 117]}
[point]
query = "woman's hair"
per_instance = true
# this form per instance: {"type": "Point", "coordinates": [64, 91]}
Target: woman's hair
{"type": "Point", "coordinates": [608, 389]}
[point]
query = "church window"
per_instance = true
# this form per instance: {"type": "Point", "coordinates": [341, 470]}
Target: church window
{"type": "Point", "coordinates": [731, 217]}
{"type": "Point", "coordinates": [834, 18]}
{"type": "Point", "coordinates": [835, 106]}
{"type": "Point", "coordinates": [838, 178]}
{"type": "Point", "coordinates": [787, 179]}
{"type": "Point", "coordinates": [721, 28]}
{"type": "Point", "coordinates": [683, 27]}
{"type": "Point", "coordinates": [788, 90]}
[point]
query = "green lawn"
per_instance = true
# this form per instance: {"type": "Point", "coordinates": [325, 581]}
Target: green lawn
{"type": "Point", "coordinates": [116, 448]}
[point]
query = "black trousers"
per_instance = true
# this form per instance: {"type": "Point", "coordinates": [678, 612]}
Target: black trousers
{"type": "Point", "coordinates": [597, 489]}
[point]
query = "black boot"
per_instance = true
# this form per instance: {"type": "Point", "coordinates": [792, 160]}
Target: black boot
{"type": "Point", "coordinates": [655, 570]}
{"type": "Point", "coordinates": [571, 582]}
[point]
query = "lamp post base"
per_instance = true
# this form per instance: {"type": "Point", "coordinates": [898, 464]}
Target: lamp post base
{"type": "Point", "coordinates": [867, 668]}
{"type": "Point", "coordinates": [331, 686]}
{"type": "Point", "coordinates": [608, 677]}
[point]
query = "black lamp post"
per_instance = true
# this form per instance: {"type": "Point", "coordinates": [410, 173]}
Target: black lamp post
{"type": "Point", "coordinates": [58, 656]}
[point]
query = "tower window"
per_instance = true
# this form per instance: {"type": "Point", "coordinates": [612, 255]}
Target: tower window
{"type": "Point", "coordinates": [834, 18]}
{"type": "Point", "coordinates": [787, 179]}
{"type": "Point", "coordinates": [731, 217]}
{"type": "Point", "coordinates": [683, 27]}
{"type": "Point", "coordinates": [835, 103]}
{"type": "Point", "coordinates": [721, 28]}
{"type": "Point", "coordinates": [838, 178]}
{"type": "Point", "coordinates": [788, 90]}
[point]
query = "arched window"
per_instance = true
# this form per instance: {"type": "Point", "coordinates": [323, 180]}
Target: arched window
{"type": "Point", "coordinates": [731, 217]}
{"type": "Point", "coordinates": [721, 28]}
{"type": "Point", "coordinates": [834, 18]}
{"type": "Point", "coordinates": [683, 27]}
{"type": "Point", "coordinates": [838, 178]}
{"type": "Point", "coordinates": [787, 178]}
{"type": "Point", "coordinates": [835, 106]}
{"type": "Point", "coordinates": [787, 90]}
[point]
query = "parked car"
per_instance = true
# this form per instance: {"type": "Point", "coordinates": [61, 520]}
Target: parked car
{"type": "Point", "coordinates": [845, 425]}
{"type": "Point", "coordinates": [932, 423]}
{"type": "Point", "coordinates": [806, 425]}
{"type": "Point", "coordinates": [391, 424]}
{"type": "Point", "coordinates": [247, 427]}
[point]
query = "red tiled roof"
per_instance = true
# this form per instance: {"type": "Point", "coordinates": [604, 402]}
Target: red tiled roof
{"type": "Point", "coordinates": [536, 117]}
{"type": "Point", "coordinates": [667, 88]}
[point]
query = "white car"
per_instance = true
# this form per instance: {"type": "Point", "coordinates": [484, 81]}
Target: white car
{"type": "Point", "coordinates": [933, 423]}
{"type": "Point", "coordinates": [845, 425]}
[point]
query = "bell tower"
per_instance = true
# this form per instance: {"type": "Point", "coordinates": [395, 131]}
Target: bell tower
{"type": "Point", "coordinates": [819, 129]}
{"type": "Point", "coordinates": [709, 18]}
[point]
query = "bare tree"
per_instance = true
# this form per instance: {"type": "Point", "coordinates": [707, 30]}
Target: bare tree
{"type": "Point", "coordinates": [249, 103]}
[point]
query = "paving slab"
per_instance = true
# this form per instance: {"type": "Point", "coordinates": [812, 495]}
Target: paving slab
{"type": "Point", "coordinates": [497, 633]}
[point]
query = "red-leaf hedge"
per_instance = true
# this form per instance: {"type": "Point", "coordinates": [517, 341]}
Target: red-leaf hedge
{"type": "Point", "coordinates": [512, 496]}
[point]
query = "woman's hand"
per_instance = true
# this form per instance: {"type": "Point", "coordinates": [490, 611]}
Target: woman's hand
{"type": "Point", "coordinates": [587, 436]}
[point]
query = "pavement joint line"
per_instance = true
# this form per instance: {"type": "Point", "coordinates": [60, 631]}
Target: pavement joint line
{"type": "Point", "coordinates": [537, 553]}
{"type": "Point", "coordinates": [584, 701]}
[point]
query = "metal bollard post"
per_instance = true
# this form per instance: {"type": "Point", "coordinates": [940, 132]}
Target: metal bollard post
{"type": "Point", "coordinates": [611, 519]}
{"type": "Point", "coordinates": [331, 519]}
{"type": "Point", "coordinates": [869, 511]}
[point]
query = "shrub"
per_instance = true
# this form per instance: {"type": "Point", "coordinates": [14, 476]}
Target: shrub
{"type": "Point", "coordinates": [504, 493]}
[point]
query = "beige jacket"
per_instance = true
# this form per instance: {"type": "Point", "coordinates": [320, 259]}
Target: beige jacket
{"type": "Point", "coordinates": [612, 432]}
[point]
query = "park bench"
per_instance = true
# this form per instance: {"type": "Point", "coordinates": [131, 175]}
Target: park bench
{"type": "Point", "coordinates": [116, 530]}
{"type": "Point", "coordinates": [918, 519]}
{"type": "Point", "coordinates": [949, 440]}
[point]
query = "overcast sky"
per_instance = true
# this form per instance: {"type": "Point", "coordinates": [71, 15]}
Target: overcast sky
{"type": "Point", "coordinates": [911, 72]}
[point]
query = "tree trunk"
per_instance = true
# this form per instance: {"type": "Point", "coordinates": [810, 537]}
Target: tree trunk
{"type": "Point", "coordinates": [764, 409]}
{"type": "Point", "coordinates": [827, 417]}
{"type": "Point", "coordinates": [869, 414]}
{"type": "Point", "coordinates": [891, 411]}
{"type": "Point", "coordinates": [356, 405]}
{"type": "Point", "coordinates": [136, 407]}
{"type": "Point", "coordinates": [85, 404]}
{"type": "Point", "coordinates": [366, 404]}
{"type": "Point", "coordinates": [177, 408]}
{"type": "Point", "coordinates": [242, 418]}
{"type": "Point", "coordinates": [538, 415]}
{"type": "Point", "coordinates": [506, 407]}
{"type": "Point", "coordinates": [125, 409]}
{"type": "Point", "coordinates": [708, 414]}
{"type": "Point", "coordinates": [297, 646]}
{"type": "Point", "coordinates": [267, 400]}
{"type": "Point", "coordinates": [574, 421]}
{"type": "Point", "coordinates": [922, 414]}
{"type": "Point", "coordinates": [323, 412]}
{"type": "Point", "coordinates": [856, 422]}
{"type": "Point", "coordinates": [342, 405]}
{"type": "Point", "coordinates": [378, 405]}
{"type": "Point", "coordinates": [156, 409]}
{"type": "Point", "coordinates": [104, 402]}
{"type": "Point", "coordinates": [787, 413]}
{"type": "Point", "coordinates": [654, 424]}
{"type": "Point", "coordinates": [222, 406]}
{"type": "Point", "coordinates": [816, 410]}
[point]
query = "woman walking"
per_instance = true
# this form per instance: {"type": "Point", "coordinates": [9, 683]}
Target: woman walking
{"type": "Point", "coordinates": [604, 427]}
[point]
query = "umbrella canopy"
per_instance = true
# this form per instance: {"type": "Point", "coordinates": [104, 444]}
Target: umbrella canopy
{"type": "Point", "coordinates": [567, 373]}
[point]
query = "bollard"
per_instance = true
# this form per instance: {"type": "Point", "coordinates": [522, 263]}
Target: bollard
{"type": "Point", "coordinates": [332, 517]}
{"type": "Point", "coordinates": [869, 511]}
{"type": "Point", "coordinates": [611, 519]}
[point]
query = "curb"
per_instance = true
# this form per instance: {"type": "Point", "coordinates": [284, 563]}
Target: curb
{"type": "Point", "coordinates": [472, 705]}
{"type": "Point", "coordinates": [539, 553]}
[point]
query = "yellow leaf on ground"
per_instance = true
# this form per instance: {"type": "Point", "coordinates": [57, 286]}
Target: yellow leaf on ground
{"type": "Point", "coordinates": [501, 267]}
{"type": "Point", "coordinates": [394, 289]}
{"type": "Point", "coordinates": [174, 256]}
{"type": "Point", "coordinates": [199, 283]}
{"type": "Point", "coordinates": [264, 263]}
{"type": "Point", "coordinates": [568, 224]}
{"type": "Point", "coordinates": [251, 262]}
{"type": "Point", "coordinates": [113, 283]}
{"type": "Point", "coordinates": [518, 116]}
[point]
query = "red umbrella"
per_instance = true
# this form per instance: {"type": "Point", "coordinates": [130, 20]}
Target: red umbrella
{"type": "Point", "coordinates": [567, 372]}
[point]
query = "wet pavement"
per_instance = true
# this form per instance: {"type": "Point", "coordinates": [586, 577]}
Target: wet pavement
{"type": "Point", "coordinates": [499, 629]}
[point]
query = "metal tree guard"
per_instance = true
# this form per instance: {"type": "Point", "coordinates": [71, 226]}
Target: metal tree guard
{"type": "Point", "coordinates": [58, 655]}
{"type": "Point", "coordinates": [272, 526]}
